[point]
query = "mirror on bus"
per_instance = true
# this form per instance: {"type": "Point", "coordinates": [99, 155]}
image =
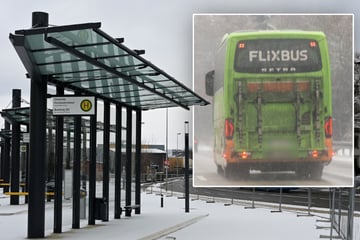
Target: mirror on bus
{"type": "Point", "coordinates": [209, 83]}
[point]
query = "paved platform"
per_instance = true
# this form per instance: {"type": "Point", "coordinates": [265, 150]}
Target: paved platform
{"type": "Point", "coordinates": [205, 221]}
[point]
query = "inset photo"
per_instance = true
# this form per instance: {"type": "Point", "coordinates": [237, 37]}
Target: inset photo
{"type": "Point", "coordinates": [281, 94]}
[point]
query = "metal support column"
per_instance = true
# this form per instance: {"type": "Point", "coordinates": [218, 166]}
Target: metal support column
{"type": "Point", "coordinates": [187, 197]}
{"type": "Point", "coordinates": [7, 147]}
{"type": "Point", "coordinates": [51, 154]}
{"type": "Point", "coordinates": [138, 162]}
{"type": "Point", "coordinates": [37, 154]}
{"type": "Point", "coordinates": [2, 160]}
{"type": "Point", "coordinates": [59, 145]}
{"type": "Point", "coordinates": [118, 162]}
{"type": "Point", "coordinates": [15, 150]}
{"type": "Point", "coordinates": [76, 173]}
{"type": "Point", "coordinates": [106, 156]}
{"type": "Point", "coordinates": [128, 159]}
{"type": "Point", "coordinates": [92, 170]}
{"type": "Point", "coordinates": [36, 212]}
{"type": "Point", "coordinates": [26, 188]}
{"type": "Point", "coordinates": [68, 149]}
{"type": "Point", "coordinates": [84, 159]}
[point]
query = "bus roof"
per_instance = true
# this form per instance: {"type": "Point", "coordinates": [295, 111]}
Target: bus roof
{"type": "Point", "coordinates": [276, 34]}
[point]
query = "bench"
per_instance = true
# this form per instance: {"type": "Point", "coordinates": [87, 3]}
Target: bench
{"type": "Point", "coordinates": [16, 193]}
{"type": "Point", "coordinates": [8, 184]}
{"type": "Point", "coordinates": [129, 208]}
{"type": "Point", "coordinates": [26, 193]}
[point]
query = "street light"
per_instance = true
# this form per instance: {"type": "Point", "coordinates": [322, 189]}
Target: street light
{"type": "Point", "coordinates": [177, 152]}
{"type": "Point", "coordinates": [186, 168]}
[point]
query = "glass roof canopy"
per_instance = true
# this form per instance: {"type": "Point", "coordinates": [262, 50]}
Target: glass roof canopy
{"type": "Point", "coordinates": [85, 59]}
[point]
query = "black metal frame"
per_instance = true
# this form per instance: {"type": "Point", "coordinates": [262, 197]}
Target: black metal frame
{"type": "Point", "coordinates": [58, 168]}
{"type": "Point", "coordinates": [15, 150]}
{"type": "Point", "coordinates": [138, 163]}
{"type": "Point", "coordinates": [76, 173]}
{"type": "Point", "coordinates": [106, 155]}
{"type": "Point", "coordinates": [128, 160]}
{"type": "Point", "coordinates": [118, 210]}
{"type": "Point", "coordinates": [94, 62]}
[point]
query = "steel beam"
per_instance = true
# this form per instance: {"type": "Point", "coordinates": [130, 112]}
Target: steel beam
{"type": "Point", "coordinates": [118, 162]}
{"type": "Point", "coordinates": [36, 206]}
{"type": "Point", "coordinates": [92, 171]}
{"type": "Point", "coordinates": [59, 145]}
{"type": "Point", "coordinates": [15, 150]}
{"type": "Point", "coordinates": [76, 173]}
{"type": "Point", "coordinates": [128, 159]}
{"type": "Point", "coordinates": [106, 156]}
{"type": "Point", "coordinates": [138, 162]}
{"type": "Point", "coordinates": [7, 147]}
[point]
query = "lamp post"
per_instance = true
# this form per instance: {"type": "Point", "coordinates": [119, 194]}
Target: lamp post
{"type": "Point", "coordinates": [177, 152]}
{"type": "Point", "coordinates": [166, 153]}
{"type": "Point", "coordinates": [186, 173]}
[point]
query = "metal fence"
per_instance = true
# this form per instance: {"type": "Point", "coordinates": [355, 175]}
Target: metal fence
{"type": "Point", "coordinates": [342, 221]}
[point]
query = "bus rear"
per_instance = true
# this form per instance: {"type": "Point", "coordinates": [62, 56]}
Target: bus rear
{"type": "Point", "coordinates": [273, 111]}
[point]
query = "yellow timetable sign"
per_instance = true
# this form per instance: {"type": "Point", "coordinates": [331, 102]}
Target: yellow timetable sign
{"type": "Point", "coordinates": [74, 105]}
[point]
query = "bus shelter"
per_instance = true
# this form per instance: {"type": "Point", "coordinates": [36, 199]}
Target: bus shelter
{"type": "Point", "coordinates": [86, 60]}
{"type": "Point", "coordinates": [12, 140]}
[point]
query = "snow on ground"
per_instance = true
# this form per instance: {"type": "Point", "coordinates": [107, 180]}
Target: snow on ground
{"type": "Point", "coordinates": [205, 221]}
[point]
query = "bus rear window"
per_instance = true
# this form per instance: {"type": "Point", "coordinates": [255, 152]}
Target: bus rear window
{"type": "Point", "coordinates": [277, 56]}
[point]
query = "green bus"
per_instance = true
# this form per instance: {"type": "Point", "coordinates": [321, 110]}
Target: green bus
{"type": "Point", "coordinates": [272, 103]}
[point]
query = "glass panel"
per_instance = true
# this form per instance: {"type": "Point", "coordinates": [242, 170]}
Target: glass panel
{"type": "Point", "coordinates": [66, 67]}
{"type": "Point", "coordinates": [50, 56]}
{"type": "Point", "coordinates": [34, 42]}
{"type": "Point", "coordinates": [80, 75]}
{"type": "Point", "coordinates": [78, 37]}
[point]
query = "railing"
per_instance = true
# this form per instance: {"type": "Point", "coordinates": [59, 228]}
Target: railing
{"type": "Point", "coordinates": [340, 218]}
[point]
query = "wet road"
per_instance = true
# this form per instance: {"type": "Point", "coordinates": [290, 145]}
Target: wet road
{"type": "Point", "coordinates": [338, 173]}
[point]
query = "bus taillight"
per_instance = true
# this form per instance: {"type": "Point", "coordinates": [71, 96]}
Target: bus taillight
{"type": "Point", "coordinates": [315, 154]}
{"type": "Point", "coordinates": [328, 127]}
{"type": "Point", "coordinates": [245, 154]}
{"type": "Point", "coordinates": [229, 129]}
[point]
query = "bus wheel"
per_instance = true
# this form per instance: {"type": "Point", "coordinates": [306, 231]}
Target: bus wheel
{"type": "Point", "coordinates": [229, 171]}
{"type": "Point", "coordinates": [242, 172]}
{"type": "Point", "coordinates": [316, 171]}
{"type": "Point", "coordinates": [220, 170]}
{"type": "Point", "coordinates": [302, 172]}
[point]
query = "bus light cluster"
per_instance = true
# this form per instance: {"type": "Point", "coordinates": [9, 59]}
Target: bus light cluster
{"type": "Point", "coordinates": [314, 153]}
{"type": "Point", "coordinates": [245, 154]}
{"type": "Point", "coordinates": [229, 129]}
{"type": "Point", "coordinates": [328, 127]}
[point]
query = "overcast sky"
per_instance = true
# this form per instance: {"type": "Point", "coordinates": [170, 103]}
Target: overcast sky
{"type": "Point", "coordinates": [162, 27]}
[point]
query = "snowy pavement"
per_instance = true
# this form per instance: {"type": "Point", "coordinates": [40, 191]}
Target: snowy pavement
{"type": "Point", "coordinates": [205, 221]}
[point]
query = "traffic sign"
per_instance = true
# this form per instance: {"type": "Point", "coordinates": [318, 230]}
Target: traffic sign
{"type": "Point", "coordinates": [23, 148]}
{"type": "Point", "coordinates": [74, 105]}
